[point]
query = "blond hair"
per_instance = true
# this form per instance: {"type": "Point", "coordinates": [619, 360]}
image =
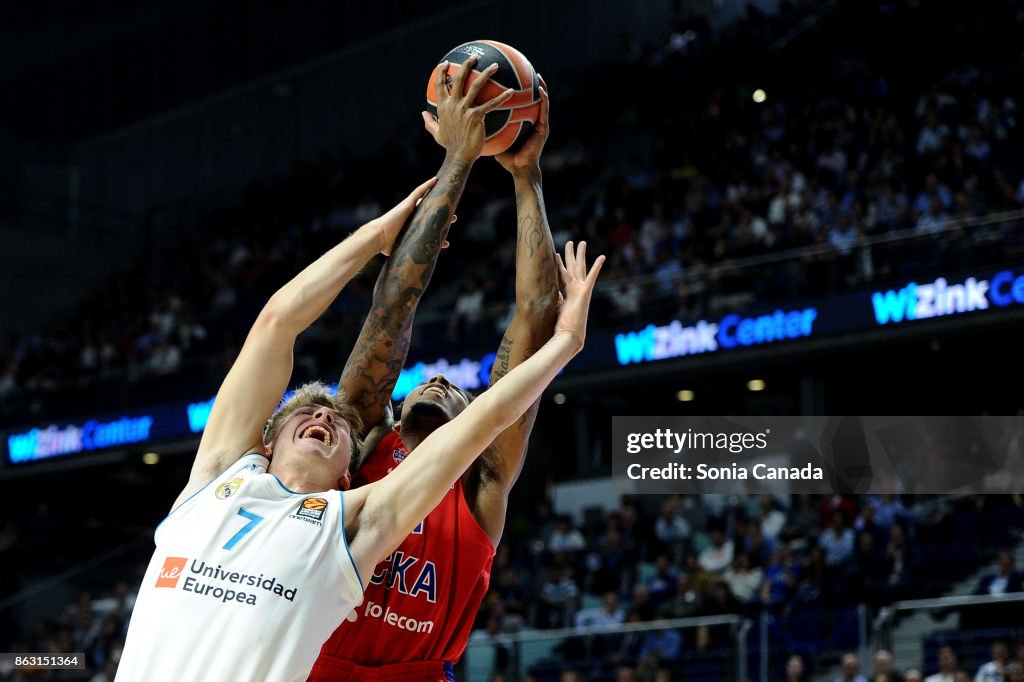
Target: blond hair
{"type": "Point", "coordinates": [316, 393]}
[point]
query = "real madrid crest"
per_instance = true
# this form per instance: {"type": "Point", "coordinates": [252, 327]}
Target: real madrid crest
{"type": "Point", "coordinates": [226, 490]}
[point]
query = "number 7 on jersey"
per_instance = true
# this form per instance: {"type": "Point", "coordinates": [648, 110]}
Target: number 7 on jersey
{"type": "Point", "coordinates": [246, 529]}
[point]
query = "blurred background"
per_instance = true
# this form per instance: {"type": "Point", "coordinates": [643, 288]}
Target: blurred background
{"type": "Point", "coordinates": [164, 167]}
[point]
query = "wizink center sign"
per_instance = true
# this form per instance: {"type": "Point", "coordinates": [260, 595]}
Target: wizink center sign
{"type": "Point", "coordinates": [55, 441]}
{"type": "Point", "coordinates": [733, 331]}
{"type": "Point", "coordinates": [921, 301]}
{"type": "Point", "coordinates": [466, 373]}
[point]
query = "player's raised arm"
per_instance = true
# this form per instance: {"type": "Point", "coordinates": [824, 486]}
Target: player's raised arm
{"type": "Point", "coordinates": [380, 352]}
{"type": "Point", "coordinates": [259, 376]}
{"type": "Point", "coordinates": [389, 509]}
{"type": "Point", "coordinates": [531, 325]}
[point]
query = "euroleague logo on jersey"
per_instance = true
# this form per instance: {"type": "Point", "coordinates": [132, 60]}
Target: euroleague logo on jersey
{"type": "Point", "coordinates": [311, 510]}
{"type": "Point", "coordinates": [398, 454]}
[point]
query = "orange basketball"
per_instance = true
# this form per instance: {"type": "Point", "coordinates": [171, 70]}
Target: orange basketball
{"type": "Point", "coordinates": [511, 124]}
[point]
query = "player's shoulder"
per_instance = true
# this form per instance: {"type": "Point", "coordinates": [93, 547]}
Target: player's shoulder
{"type": "Point", "coordinates": [389, 452]}
{"type": "Point", "coordinates": [247, 468]}
{"type": "Point", "coordinates": [391, 439]}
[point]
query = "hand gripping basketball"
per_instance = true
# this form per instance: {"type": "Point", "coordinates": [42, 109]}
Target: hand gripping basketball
{"type": "Point", "coordinates": [459, 127]}
{"type": "Point", "coordinates": [509, 122]}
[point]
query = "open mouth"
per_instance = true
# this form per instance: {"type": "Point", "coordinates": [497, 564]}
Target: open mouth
{"type": "Point", "coordinates": [319, 433]}
{"type": "Point", "coordinates": [439, 390]}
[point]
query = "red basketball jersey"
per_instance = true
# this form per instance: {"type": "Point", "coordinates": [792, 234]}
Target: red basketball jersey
{"type": "Point", "coordinates": [421, 601]}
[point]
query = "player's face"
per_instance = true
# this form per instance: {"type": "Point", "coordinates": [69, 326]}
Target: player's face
{"type": "Point", "coordinates": [431, 404]}
{"type": "Point", "coordinates": [316, 436]}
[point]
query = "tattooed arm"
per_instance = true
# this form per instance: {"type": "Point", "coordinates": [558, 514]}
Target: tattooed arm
{"type": "Point", "coordinates": [490, 480]}
{"type": "Point", "coordinates": [373, 367]}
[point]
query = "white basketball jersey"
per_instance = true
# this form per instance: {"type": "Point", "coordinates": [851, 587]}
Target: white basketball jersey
{"type": "Point", "coordinates": [247, 582]}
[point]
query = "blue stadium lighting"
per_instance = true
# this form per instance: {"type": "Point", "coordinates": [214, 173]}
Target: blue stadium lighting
{"type": "Point", "coordinates": [198, 414]}
{"type": "Point", "coordinates": [54, 441]}
{"type": "Point", "coordinates": [939, 298]}
{"type": "Point", "coordinates": [468, 374]}
{"type": "Point", "coordinates": [675, 340]}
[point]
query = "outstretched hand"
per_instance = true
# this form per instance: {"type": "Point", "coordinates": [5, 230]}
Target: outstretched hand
{"type": "Point", "coordinates": [459, 127]}
{"type": "Point", "coordinates": [527, 157]}
{"type": "Point", "coordinates": [391, 223]}
{"type": "Point", "coordinates": [577, 289]}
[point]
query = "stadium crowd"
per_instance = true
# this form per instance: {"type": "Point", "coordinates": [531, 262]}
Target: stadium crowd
{"type": "Point", "coordinates": [807, 560]}
{"type": "Point", "coordinates": [698, 181]}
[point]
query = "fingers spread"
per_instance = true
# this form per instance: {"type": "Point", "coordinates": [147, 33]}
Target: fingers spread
{"type": "Point", "coordinates": [570, 257]}
{"type": "Point", "coordinates": [545, 108]}
{"type": "Point", "coordinates": [421, 191]}
{"type": "Point", "coordinates": [581, 260]}
{"type": "Point", "coordinates": [595, 270]}
{"type": "Point", "coordinates": [440, 91]}
{"type": "Point", "coordinates": [478, 83]}
{"type": "Point", "coordinates": [458, 87]}
{"type": "Point", "coordinates": [562, 273]}
{"type": "Point", "coordinates": [429, 124]}
{"type": "Point", "coordinates": [494, 103]}
{"type": "Point", "coordinates": [563, 276]}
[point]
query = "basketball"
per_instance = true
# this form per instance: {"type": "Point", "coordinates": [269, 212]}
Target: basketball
{"type": "Point", "coordinates": [510, 124]}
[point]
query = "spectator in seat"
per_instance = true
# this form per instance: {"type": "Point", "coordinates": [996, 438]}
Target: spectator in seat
{"type": "Point", "coordinates": [804, 519]}
{"type": "Point", "coordinates": [867, 523]}
{"type": "Point", "coordinates": [947, 665]}
{"type": "Point", "coordinates": [780, 579]}
{"type": "Point", "coordinates": [934, 219]}
{"type": "Point", "coordinates": [933, 188]}
{"type": "Point", "coordinates": [565, 538]}
{"type": "Point", "coordinates": [642, 603]}
{"type": "Point", "coordinates": [662, 584]}
{"type": "Point", "coordinates": [996, 669]}
{"type": "Point", "coordinates": [719, 555]}
{"type": "Point", "coordinates": [609, 614]}
{"type": "Point", "coordinates": [684, 602]}
{"type": "Point", "coordinates": [743, 580]}
{"type": "Point", "coordinates": [558, 598]}
{"type": "Point", "coordinates": [795, 670]}
{"type": "Point", "coordinates": [837, 541]}
{"type": "Point", "coordinates": [933, 136]}
{"type": "Point", "coordinates": [625, 674]}
{"type": "Point", "coordinates": [851, 670]}
{"type": "Point", "coordinates": [1005, 579]}
{"type": "Point", "coordinates": [672, 530]}
{"type": "Point", "coordinates": [662, 646]}
{"type": "Point", "coordinates": [883, 666]}
{"type": "Point", "coordinates": [772, 520]}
